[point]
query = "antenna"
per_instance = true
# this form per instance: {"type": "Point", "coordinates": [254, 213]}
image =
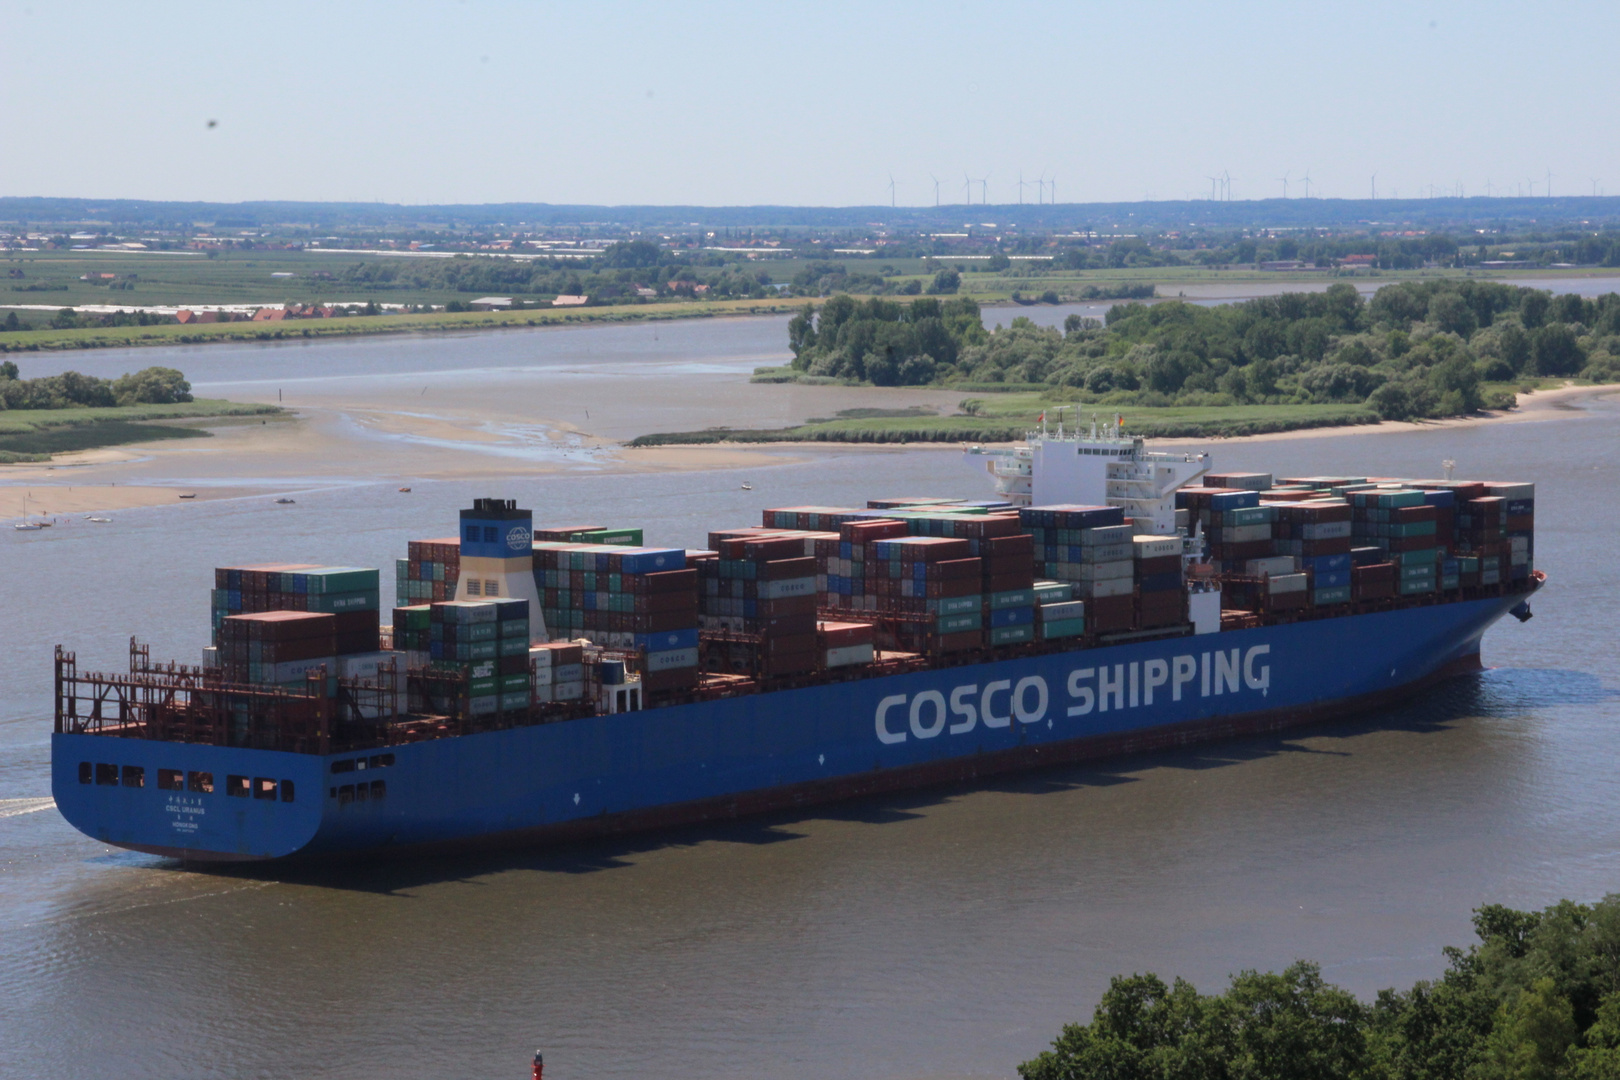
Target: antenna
{"type": "Point", "coordinates": [1284, 179]}
{"type": "Point", "coordinates": [1375, 185]}
{"type": "Point", "coordinates": [891, 191]}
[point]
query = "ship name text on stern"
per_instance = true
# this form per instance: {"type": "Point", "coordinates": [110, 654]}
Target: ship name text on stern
{"type": "Point", "coordinates": [1105, 688]}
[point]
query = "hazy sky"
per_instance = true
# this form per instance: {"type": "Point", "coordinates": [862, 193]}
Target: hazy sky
{"type": "Point", "coordinates": [807, 103]}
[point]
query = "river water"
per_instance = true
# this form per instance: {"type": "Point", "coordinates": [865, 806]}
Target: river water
{"type": "Point", "coordinates": [939, 934]}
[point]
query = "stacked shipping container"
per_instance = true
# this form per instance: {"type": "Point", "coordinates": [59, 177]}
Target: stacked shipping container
{"type": "Point", "coordinates": [429, 571]}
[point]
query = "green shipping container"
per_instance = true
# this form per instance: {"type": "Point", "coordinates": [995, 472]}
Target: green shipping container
{"type": "Point", "coordinates": [512, 628]}
{"type": "Point", "coordinates": [510, 683]}
{"type": "Point", "coordinates": [1012, 598]}
{"type": "Point", "coordinates": [484, 687]}
{"type": "Point", "coordinates": [1339, 594]}
{"type": "Point", "coordinates": [1061, 628]}
{"type": "Point", "coordinates": [1012, 635]}
{"type": "Point", "coordinates": [515, 702]}
{"type": "Point", "coordinates": [956, 624]}
{"type": "Point", "coordinates": [332, 603]}
{"type": "Point", "coordinates": [956, 605]}
{"type": "Point", "coordinates": [1416, 586]}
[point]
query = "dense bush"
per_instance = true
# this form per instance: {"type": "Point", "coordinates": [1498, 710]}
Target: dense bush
{"type": "Point", "coordinates": [150, 386]}
{"type": "Point", "coordinates": [1537, 999]}
{"type": "Point", "coordinates": [1415, 349]}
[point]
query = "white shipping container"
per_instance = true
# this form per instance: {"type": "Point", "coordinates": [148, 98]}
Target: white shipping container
{"type": "Point", "coordinates": [1245, 534]}
{"type": "Point", "coordinates": [568, 691]}
{"type": "Point", "coordinates": [1286, 583]}
{"type": "Point", "coordinates": [1106, 535]}
{"type": "Point", "coordinates": [365, 665]}
{"type": "Point", "coordinates": [845, 655]}
{"type": "Point", "coordinates": [669, 659]}
{"type": "Point", "coordinates": [1105, 553]}
{"type": "Point", "coordinates": [1512, 492]}
{"type": "Point", "coordinates": [1275, 564]}
{"type": "Point", "coordinates": [1156, 547]}
{"type": "Point", "coordinates": [210, 657]}
{"type": "Point", "coordinates": [568, 673]}
{"type": "Point", "coordinates": [1066, 609]}
{"type": "Point", "coordinates": [1107, 571]}
{"type": "Point", "coordinates": [1325, 530]}
{"type": "Point", "coordinates": [293, 670]}
{"type": "Point", "coordinates": [1111, 587]}
{"type": "Point", "coordinates": [781, 590]}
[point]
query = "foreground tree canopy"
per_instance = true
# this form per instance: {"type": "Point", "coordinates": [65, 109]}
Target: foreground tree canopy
{"type": "Point", "coordinates": [1537, 999]}
{"type": "Point", "coordinates": [1414, 349]}
{"type": "Point", "coordinates": [149, 386]}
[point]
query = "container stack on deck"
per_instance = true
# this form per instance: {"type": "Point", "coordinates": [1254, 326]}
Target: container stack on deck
{"type": "Point", "coordinates": [1090, 548]}
{"type": "Point", "coordinates": [429, 571]}
{"type": "Point", "coordinates": [348, 593]}
{"type": "Point", "coordinates": [480, 656]}
{"type": "Point", "coordinates": [757, 601]}
{"type": "Point", "coordinates": [1161, 588]}
{"type": "Point", "coordinates": [637, 600]}
{"type": "Point", "coordinates": [278, 648]}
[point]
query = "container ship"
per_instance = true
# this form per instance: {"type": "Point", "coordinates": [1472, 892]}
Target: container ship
{"type": "Point", "coordinates": [540, 682]}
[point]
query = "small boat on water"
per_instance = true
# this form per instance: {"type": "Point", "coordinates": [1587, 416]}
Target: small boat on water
{"type": "Point", "coordinates": [189, 495]}
{"type": "Point", "coordinates": [746, 486]}
{"type": "Point", "coordinates": [25, 525]}
{"type": "Point", "coordinates": [406, 491]}
{"type": "Point", "coordinates": [99, 520]}
{"type": "Point", "coordinates": [286, 502]}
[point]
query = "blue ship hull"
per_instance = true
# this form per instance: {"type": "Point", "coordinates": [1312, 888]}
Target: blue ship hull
{"type": "Point", "coordinates": [767, 751]}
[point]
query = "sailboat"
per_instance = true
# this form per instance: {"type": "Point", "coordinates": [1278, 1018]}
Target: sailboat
{"type": "Point", "coordinates": [25, 525]}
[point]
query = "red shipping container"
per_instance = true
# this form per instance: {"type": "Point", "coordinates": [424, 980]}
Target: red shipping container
{"type": "Point", "coordinates": [959, 642]}
{"type": "Point", "coordinates": [787, 569]}
{"type": "Point", "coordinates": [958, 569]}
{"type": "Point", "coordinates": [1164, 564]}
{"type": "Point", "coordinates": [1024, 579]}
{"type": "Point", "coordinates": [1110, 613]}
{"type": "Point", "coordinates": [1020, 544]}
{"type": "Point", "coordinates": [669, 679]}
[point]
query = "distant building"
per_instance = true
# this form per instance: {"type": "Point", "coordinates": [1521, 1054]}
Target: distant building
{"type": "Point", "coordinates": [643, 291]}
{"type": "Point", "coordinates": [185, 316]}
{"type": "Point", "coordinates": [1358, 260]}
{"type": "Point", "coordinates": [270, 314]}
{"type": "Point", "coordinates": [491, 303]}
{"type": "Point", "coordinates": [570, 301]}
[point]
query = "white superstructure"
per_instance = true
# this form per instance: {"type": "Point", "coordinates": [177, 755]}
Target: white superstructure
{"type": "Point", "coordinates": [1099, 467]}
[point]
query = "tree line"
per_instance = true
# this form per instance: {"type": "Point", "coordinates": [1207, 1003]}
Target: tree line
{"type": "Point", "coordinates": [1537, 998]}
{"type": "Point", "coordinates": [1415, 349]}
{"type": "Point", "coordinates": [149, 386]}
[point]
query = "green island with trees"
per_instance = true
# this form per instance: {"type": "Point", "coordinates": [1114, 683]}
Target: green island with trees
{"type": "Point", "coordinates": [56, 414]}
{"type": "Point", "coordinates": [1537, 998]}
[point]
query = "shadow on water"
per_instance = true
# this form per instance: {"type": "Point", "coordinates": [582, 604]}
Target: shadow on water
{"type": "Point", "coordinates": [1492, 694]}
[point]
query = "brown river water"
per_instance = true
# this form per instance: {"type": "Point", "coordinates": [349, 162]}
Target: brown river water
{"type": "Point", "coordinates": [943, 933]}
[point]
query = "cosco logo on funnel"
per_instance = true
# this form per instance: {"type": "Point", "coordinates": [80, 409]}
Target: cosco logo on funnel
{"type": "Point", "coordinates": [517, 538]}
{"type": "Point", "coordinates": [1099, 689]}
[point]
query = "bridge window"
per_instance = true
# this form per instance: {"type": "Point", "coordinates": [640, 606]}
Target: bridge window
{"type": "Point", "coordinates": [106, 775]}
{"type": "Point", "coordinates": [345, 794]}
{"type": "Point", "coordinates": [201, 782]}
{"type": "Point", "coordinates": [171, 780]}
{"type": "Point", "coordinates": [86, 772]}
{"type": "Point", "coordinates": [134, 776]}
{"type": "Point", "coordinates": [379, 789]}
{"type": "Point", "coordinates": [474, 587]}
{"type": "Point", "coordinates": [343, 766]}
{"type": "Point", "coordinates": [381, 761]}
{"type": "Point", "coordinates": [264, 788]}
{"type": "Point", "coordinates": [236, 787]}
{"type": "Point", "coordinates": [360, 792]}
{"type": "Point", "coordinates": [286, 791]}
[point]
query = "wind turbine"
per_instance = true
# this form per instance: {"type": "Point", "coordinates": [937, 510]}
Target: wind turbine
{"type": "Point", "coordinates": [1284, 179]}
{"type": "Point", "coordinates": [984, 189]}
{"type": "Point", "coordinates": [1595, 183]}
{"type": "Point", "coordinates": [891, 191]}
{"type": "Point", "coordinates": [1549, 183]}
{"type": "Point", "coordinates": [1375, 185]}
{"type": "Point", "coordinates": [967, 184]}
{"type": "Point", "coordinates": [1226, 184]}
{"type": "Point", "coordinates": [1214, 181]}
{"type": "Point", "coordinates": [1020, 187]}
{"type": "Point", "coordinates": [1487, 187]}
{"type": "Point", "coordinates": [935, 179]}
{"type": "Point", "coordinates": [1307, 183]}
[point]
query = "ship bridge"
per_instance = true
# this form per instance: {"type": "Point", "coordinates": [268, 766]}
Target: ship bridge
{"type": "Point", "coordinates": [1095, 466]}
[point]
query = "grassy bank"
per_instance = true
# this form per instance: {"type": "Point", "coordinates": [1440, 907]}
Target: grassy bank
{"type": "Point", "coordinates": [35, 434]}
{"type": "Point", "coordinates": [123, 337]}
{"type": "Point", "coordinates": [1008, 417]}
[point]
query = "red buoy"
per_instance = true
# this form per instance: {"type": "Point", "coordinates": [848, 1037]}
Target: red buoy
{"type": "Point", "coordinates": [539, 1065]}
